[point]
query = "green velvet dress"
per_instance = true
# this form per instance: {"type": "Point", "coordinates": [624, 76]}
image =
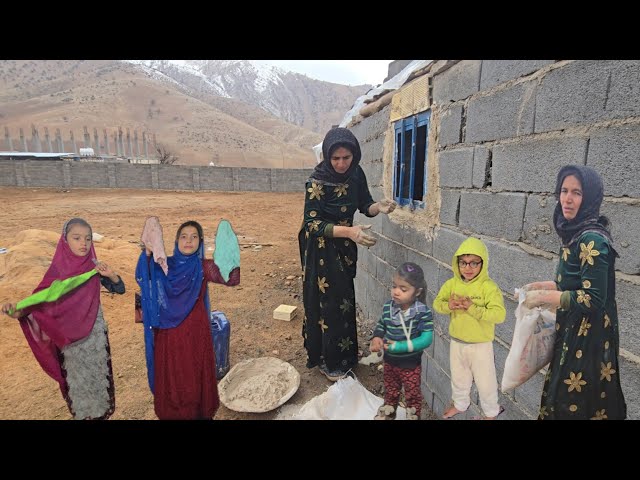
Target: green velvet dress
{"type": "Point", "coordinates": [329, 267]}
{"type": "Point", "coordinates": [583, 380]}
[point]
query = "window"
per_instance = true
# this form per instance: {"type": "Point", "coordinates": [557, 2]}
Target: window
{"type": "Point", "coordinates": [410, 160]}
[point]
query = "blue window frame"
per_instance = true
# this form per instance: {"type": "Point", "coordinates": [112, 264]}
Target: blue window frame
{"type": "Point", "coordinates": [410, 160]}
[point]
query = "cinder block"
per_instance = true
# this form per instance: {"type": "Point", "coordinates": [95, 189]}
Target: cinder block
{"type": "Point", "coordinates": [391, 229]}
{"type": "Point", "coordinates": [625, 229]}
{"type": "Point", "coordinates": [8, 173]}
{"type": "Point", "coordinates": [623, 96]}
{"type": "Point", "coordinates": [630, 381]}
{"type": "Point", "coordinates": [511, 267]}
{"type": "Point", "coordinates": [450, 125]}
{"type": "Point", "coordinates": [442, 348]}
{"type": "Point", "coordinates": [504, 330]}
{"type": "Point", "coordinates": [391, 252]}
{"type": "Point", "coordinates": [504, 114]}
{"type": "Point", "coordinates": [445, 244]}
{"type": "Point", "coordinates": [430, 268]}
{"type": "Point", "coordinates": [572, 95]}
{"type": "Point", "coordinates": [43, 174]}
{"type": "Point", "coordinates": [529, 393]}
{"type": "Point", "coordinates": [173, 177]}
{"type": "Point", "coordinates": [456, 83]}
{"type": "Point", "coordinates": [384, 272]}
{"type": "Point", "coordinates": [441, 323]}
{"type": "Point", "coordinates": [613, 152]}
{"type": "Point", "coordinates": [494, 214]}
{"type": "Point", "coordinates": [417, 240]}
{"type": "Point", "coordinates": [532, 165]}
{"type": "Point", "coordinates": [500, 357]}
{"type": "Point", "coordinates": [512, 410]}
{"type": "Point", "coordinates": [456, 167]}
{"type": "Point", "coordinates": [495, 72]}
{"type": "Point", "coordinates": [481, 158]}
{"type": "Point", "coordinates": [439, 383]}
{"type": "Point", "coordinates": [628, 301]}
{"type": "Point", "coordinates": [285, 312]}
{"type": "Point", "coordinates": [450, 200]}
{"type": "Point", "coordinates": [538, 229]}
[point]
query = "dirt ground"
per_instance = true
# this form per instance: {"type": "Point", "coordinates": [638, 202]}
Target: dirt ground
{"type": "Point", "coordinates": [273, 219]}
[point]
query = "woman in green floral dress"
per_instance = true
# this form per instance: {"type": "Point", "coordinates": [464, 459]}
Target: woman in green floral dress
{"type": "Point", "coordinates": [583, 380]}
{"type": "Point", "coordinates": [328, 251]}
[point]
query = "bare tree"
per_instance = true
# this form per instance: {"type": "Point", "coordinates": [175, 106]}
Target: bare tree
{"type": "Point", "coordinates": [164, 155]}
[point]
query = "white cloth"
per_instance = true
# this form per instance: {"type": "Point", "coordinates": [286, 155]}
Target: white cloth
{"type": "Point", "coordinates": [474, 362]}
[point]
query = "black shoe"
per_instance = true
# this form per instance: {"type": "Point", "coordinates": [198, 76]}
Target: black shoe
{"type": "Point", "coordinates": [334, 375]}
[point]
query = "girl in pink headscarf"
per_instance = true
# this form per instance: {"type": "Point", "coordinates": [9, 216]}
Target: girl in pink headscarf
{"type": "Point", "coordinates": [69, 336]}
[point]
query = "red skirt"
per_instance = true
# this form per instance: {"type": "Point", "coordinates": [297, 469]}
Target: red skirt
{"type": "Point", "coordinates": [185, 368]}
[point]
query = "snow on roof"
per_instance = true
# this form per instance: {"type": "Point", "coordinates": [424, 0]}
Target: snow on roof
{"type": "Point", "coordinates": [393, 83]}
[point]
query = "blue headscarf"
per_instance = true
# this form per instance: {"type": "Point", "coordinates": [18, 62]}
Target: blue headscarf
{"type": "Point", "coordinates": [168, 299]}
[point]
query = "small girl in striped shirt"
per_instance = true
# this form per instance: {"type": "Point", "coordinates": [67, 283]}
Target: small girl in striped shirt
{"type": "Point", "coordinates": [404, 330]}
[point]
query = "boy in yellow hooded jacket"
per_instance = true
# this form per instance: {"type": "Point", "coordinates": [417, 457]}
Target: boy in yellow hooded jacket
{"type": "Point", "coordinates": [475, 305]}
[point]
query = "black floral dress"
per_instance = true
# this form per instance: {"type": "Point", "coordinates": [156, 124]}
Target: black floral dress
{"type": "Point", "coordinates": [583, 380]}
{"type": "Point", "coordinates": [329, 267]}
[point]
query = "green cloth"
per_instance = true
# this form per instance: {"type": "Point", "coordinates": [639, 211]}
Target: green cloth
{"type": "Point", "coordinates": [55, 290]}
{"type": "Point", "coordinates": [227, 253]}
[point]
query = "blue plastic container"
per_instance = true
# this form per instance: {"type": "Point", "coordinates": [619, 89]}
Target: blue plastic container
{"type": "Point", "coordinates": [220, 333]}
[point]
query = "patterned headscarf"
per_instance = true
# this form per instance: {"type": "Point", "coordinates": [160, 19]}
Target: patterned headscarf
{"type": "Point", "coordinates": [334, 139]}
{"type": "Point", "coordinates": [588, 218]}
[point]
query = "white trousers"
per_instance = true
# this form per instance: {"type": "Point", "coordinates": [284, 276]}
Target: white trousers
{"type": "Point", "coordinates": [469, 362]}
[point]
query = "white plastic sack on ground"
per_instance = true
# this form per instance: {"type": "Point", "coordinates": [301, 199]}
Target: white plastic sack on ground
{"type": "Point", "coordinates": [346, 399]}
{"type": "Point", "coordinates": [532, 344]}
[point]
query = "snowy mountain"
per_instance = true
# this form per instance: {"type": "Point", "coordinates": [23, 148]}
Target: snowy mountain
{"type": "Point", "coordinates": [295, 98]}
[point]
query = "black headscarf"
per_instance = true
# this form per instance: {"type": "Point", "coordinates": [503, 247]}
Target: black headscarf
{"type": "Point", "coordinates": [334, 139]}
{"type": "Point", "coordinates": [588, 218]}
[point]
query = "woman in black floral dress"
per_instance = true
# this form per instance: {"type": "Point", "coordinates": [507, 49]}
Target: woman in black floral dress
{"type": "Point", "coordinates": [328, 251]}
{"type": "Point", "coordinates": [583, 380]}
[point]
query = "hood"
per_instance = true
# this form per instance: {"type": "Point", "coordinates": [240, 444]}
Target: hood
{"type": "Point", "coordinates": [472, 246]}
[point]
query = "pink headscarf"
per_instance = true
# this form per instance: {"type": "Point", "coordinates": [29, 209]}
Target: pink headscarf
{"type": "Point", "coordinates": [52, 325]}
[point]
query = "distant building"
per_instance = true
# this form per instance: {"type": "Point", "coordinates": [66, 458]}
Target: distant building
{"type": "Point", "coordinates": [87, 152]}
{"type": "Point", "coordinates": [36, 155]}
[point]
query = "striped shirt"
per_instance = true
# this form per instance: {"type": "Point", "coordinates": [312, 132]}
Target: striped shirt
{"type": "Point", "coordinates": [389, 327]}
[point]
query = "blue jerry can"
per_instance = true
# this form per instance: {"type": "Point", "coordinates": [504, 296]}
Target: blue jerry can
{"type": "Point", "coordinates": [220, 333]}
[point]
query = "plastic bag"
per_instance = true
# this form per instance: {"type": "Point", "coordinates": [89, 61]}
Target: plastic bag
{"type": "Point", "coordinates": [532, 345]}
{"type": "Point", "coordinates": [220, 334]}
{"type": "Point", "coordinates": [346, 399]}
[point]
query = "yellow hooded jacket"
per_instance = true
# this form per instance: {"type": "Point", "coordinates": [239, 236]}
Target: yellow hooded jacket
{"type": "Point", "coordinates": [477, 324]}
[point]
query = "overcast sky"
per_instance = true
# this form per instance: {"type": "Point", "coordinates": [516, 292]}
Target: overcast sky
{"type": "Point", "coordinates": [347, 72]}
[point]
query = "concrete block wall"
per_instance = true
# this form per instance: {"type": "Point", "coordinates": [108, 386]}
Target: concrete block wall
{"type": "Point", "coordinates": [506, 128]}
{"type": "Point", "coordinates": [60, 174]}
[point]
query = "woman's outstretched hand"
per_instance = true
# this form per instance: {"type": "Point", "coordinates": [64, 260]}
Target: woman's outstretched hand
{"type": "Point", "coordinates": [361, 238]}
{"type": "Point", "coordinates": [387, 206]}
